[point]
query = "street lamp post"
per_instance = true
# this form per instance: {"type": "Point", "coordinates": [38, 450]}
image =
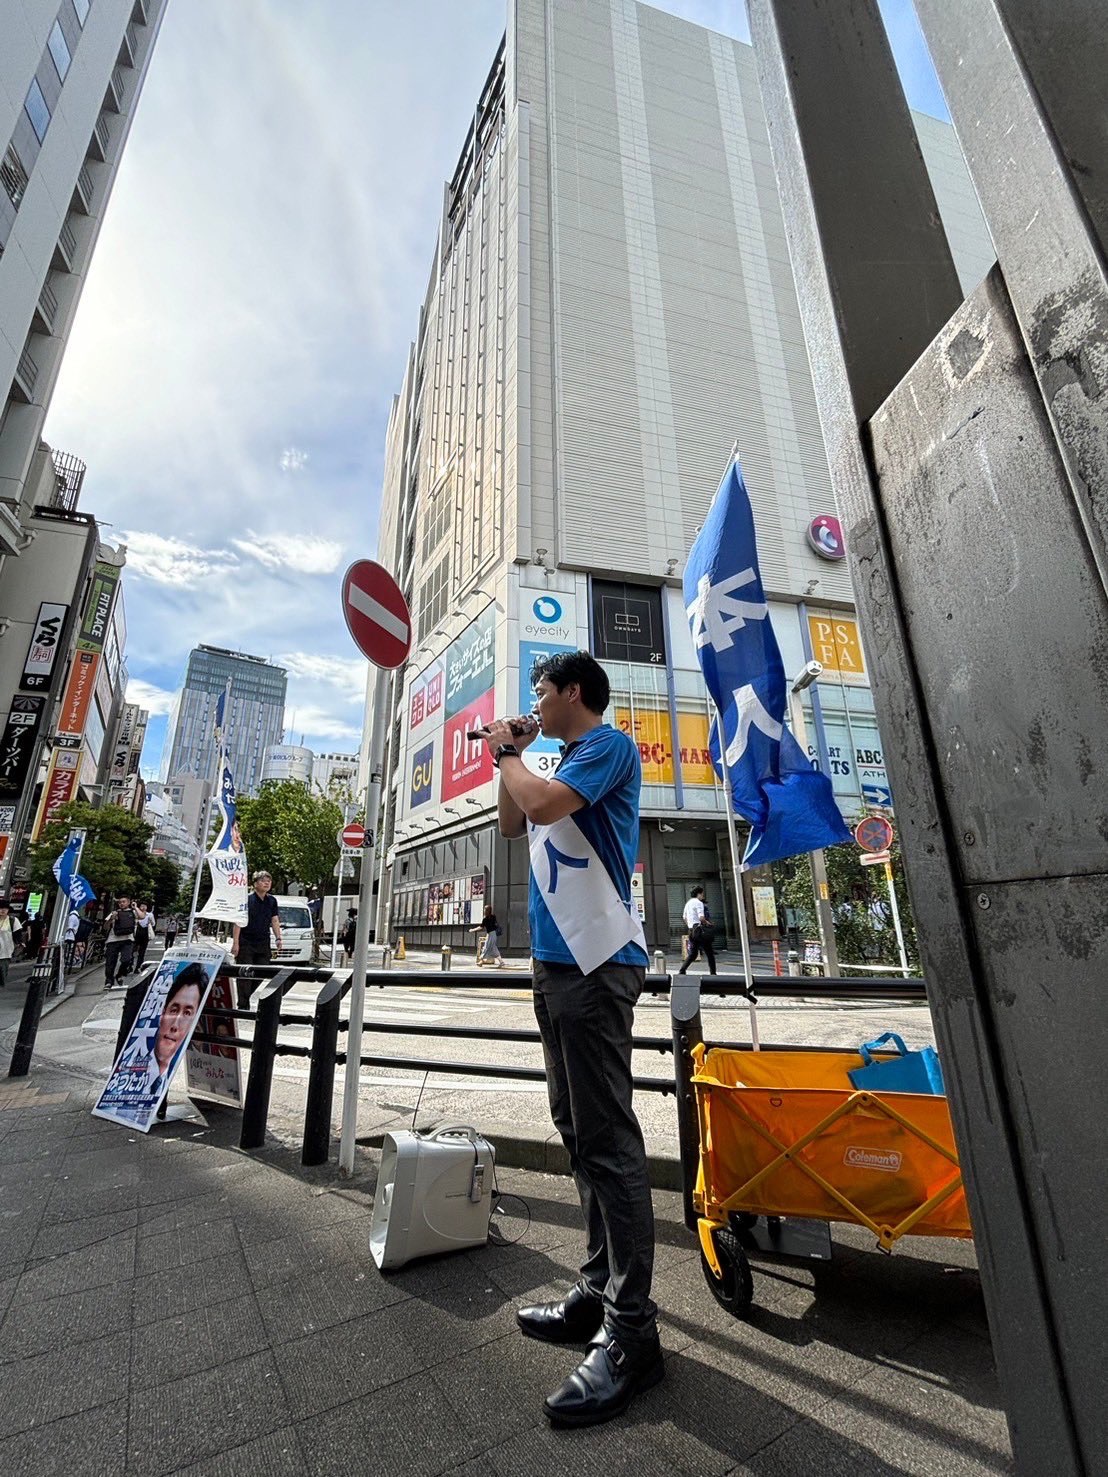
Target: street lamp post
{"type": "Point", "coordinates": [821, 892]}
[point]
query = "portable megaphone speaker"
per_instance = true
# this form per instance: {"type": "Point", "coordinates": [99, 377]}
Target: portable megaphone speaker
{"type": "Point", "coordinates": [434, 1194]}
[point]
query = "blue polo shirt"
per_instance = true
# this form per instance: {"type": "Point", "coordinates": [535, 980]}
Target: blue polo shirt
{"type": "Point", "coordinates": [604, 768]}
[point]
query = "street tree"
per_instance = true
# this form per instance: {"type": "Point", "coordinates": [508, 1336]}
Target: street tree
{"type": "Point", "coordinates": [860, 902]}
{"type": "Point", "coordinates": [116, 856]}
{"type": "Point", "coordinates": [291, 833]}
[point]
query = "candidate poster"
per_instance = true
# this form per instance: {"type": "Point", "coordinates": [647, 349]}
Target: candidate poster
{"type": "Point", "coordinates": [156, 1042]}
{"type": "Point", "coordinates": [215, 1071]}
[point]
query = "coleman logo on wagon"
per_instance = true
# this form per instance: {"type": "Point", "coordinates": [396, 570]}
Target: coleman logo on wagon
{"type": "Point", "coordinates": [886, 1159]}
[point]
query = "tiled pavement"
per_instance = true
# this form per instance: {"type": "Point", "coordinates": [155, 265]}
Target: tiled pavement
{"type": "Point", "coordinates": [171, 1305]}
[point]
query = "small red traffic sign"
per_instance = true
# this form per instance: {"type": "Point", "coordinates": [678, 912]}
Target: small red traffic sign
{"type": "Point", "coordinates": [874, 833]}
{"type": "Point", "coordinates": [352, 837]}
{"type": "Point", "coordinates": [376, 614]}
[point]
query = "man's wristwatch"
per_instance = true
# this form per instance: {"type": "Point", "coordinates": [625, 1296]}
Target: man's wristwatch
{"type": "Point", "coordinates": [501, 750]}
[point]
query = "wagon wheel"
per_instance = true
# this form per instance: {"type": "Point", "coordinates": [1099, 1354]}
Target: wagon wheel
{"type": "Point", "coordinates": [735, 1290]}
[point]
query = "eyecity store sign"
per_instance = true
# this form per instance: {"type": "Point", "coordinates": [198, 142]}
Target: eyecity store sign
{"type": "Point", "coordinates": [825, 537]}
{"type": "Point", "coordinates": [548, 617]}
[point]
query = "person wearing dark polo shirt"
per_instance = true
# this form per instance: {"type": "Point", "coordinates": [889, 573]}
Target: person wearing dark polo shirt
{"type": "Point", "coordinates": [251, 943]}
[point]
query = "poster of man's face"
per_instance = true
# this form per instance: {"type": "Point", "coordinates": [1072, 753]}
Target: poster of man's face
{"type": "Point", "coordinates": [163, 1027]}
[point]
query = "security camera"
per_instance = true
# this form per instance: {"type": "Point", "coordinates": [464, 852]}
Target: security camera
{"type": "Point", "coordinates": [807, 676]}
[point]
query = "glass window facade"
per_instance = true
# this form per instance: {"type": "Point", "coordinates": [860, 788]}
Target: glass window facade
{"type": "Point", "coordinates": [80, 9]}
{"type": "Point", "coordinates": [37, 110]}
{"type": "Point", "coordinates": [59, 50]}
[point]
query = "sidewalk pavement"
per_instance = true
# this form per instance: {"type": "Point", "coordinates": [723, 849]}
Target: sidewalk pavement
{"type": "Point", "coordinates": [172, 1305]}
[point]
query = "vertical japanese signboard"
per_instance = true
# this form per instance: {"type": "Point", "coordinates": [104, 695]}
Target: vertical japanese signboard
{"type": "Point", "coordinates": [42, 654]}
{"type": "Point", "coordinates": [470, 666]}
{"type": "Point", "coordinates": [17, 744]}
{"type": "Point", "coordinates": [62, 776]}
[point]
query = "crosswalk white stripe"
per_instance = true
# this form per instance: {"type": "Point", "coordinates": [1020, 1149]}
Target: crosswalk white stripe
{"type": "Point", "coordinates": [376, 612]}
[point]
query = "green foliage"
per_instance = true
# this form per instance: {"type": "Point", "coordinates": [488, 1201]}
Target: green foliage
{"type": "Point", "coordinates": [291, 833]}
{"type": "Point", "coordinates": [861, 938]}
{"type": "Point", "coordinates": [116, 856]}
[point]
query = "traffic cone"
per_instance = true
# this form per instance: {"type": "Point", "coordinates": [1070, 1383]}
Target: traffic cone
{"type": "Point", "coordinates": [400, 952]}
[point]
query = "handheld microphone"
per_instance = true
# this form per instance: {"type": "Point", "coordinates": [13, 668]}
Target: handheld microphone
{"type": "Point", "coordinates": [518, 730]}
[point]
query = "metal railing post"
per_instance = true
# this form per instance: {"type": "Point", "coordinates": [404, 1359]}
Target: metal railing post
{"type": "Point", "coordinates": [688, 1032]}
{"type": "Point", "coordinates": [446, 956]}
{"type": "Point", "coordinates": [659, 961]}
{"type": "Point", "coordinates": [43, 975]}
{"type": "Point", "coordinates": [386, 958]}
{"type": "Point", "coordinates": [267, 1021]}
{"type": "Point", "coordinates": [321, 1075]}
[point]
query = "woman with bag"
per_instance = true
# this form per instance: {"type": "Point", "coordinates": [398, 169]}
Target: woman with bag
{"type": "Point", "coordinates": [488, 949]}
{"type": "Point", "coordinates": [701, 931]}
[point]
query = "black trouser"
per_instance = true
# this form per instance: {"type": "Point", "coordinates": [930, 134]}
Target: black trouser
{"type": "Point", "coordinates": [585, 1023]}
{"type": "Point", "coordinates": [697, 941]}
{"type": "Point", "coordinates": [142, 939]}
{"type": "Point", "coordinates": [118, 954]}
{"type": "Point", "coordinates": [254, 951]}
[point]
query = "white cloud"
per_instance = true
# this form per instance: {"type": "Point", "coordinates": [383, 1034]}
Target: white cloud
{"type": "Point", "coordinates": [156, 700]}
{"type": "Point", "coordinates": [293, 459]}
{"type": "Point", "coordinates": [171, 561]}
{"type": "Point", "coordinates": [346, 673]}
{"type": "Point", "coordinates": [306, 553]}
{"type": "Point", "coordinates": [316, 722]}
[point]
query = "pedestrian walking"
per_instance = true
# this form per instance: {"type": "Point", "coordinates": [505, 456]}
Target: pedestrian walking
{"type": "Point", "coordinates": [144, 931]}
{"type": "Point", "coordinates": [119, 950]}
{"type": "Point", "coordinates": [701, 931]}
{"type": "Point", "coordinates": [348, 936]}
{"type": "Point", "coordinates": [488, 944]}
{"type": "Point", "coordinates": [590, 967]}
{"type": "Point", "coordinates": [251, 943]}
{"type": "Point", "coordinates": [10, 926]}
{"type": "Point", "coordinates": [171, 926]}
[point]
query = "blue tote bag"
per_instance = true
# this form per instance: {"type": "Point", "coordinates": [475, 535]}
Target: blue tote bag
{"type": "Point", "coordinates": [909, 1071]}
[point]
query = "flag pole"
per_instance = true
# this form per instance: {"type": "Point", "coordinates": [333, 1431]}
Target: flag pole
{"type": "Point", "coordinates": [217, 780]}
{"type": "Point", "coordinates": [740, 905]}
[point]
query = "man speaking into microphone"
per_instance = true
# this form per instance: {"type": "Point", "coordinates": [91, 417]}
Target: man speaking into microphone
{"type": "Point", "coordinates": [582, 826]}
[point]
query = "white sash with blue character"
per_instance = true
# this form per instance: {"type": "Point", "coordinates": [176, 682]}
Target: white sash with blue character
{"type": "Point", "coordinates": [581, 896]}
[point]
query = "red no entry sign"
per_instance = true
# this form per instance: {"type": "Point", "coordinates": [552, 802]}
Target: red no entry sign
{"type": "Point", "coordinates": [352, 836]}
{"type": "Point", "coordinates": [874, 833]}
{"type": "Point", "coordinates": [376, 614]}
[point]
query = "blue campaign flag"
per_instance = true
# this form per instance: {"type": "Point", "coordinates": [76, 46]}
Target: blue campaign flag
{"type": "Point", "coordinates": [789, 804]}
{"type": "Point", "coordinates": [227, 838]}
{"type": "Point", "coordinates": [65, 864]}
{"type": "Point", "coordinates": [80, 892]}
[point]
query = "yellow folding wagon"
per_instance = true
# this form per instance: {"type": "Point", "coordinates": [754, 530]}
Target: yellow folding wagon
{"type": "Point", "coordinates": [783, 1134]}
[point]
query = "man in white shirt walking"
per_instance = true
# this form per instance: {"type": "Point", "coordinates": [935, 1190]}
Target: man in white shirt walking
{"type": "Point", "coordinates": [9, 927]}
{"type": "Point", "coordinates": [700, 929]}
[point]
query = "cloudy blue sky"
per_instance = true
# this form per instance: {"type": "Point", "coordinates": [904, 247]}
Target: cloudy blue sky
{"type": "Point", "coordinates": [249, 309]}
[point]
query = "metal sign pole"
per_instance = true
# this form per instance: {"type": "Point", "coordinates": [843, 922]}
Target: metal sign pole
{"type": "Point", "coordinates": [740, 905]}
{"type": "Point", "coordinates": [361, 937]}
{"type": "Point", "coordinates": [896, 918]}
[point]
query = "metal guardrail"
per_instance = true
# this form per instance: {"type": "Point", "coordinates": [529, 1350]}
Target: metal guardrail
{"type": "Point", "coordinates": [261, 992]}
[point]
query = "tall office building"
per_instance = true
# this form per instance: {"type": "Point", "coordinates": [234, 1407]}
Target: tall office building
{"type": "Point", "coordinates": [611, 306]}
{"type": "Point", "coordinates": [71, 72]}
{"type": "Point", "coordinates": [70, 76]}
{"type": "Point", "coordinates": [255, 720]}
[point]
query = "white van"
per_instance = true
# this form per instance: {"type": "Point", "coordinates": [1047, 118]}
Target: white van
{"type": "Point", "coordinates": [297, 933]}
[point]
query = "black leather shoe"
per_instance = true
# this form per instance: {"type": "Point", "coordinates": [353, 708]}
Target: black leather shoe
{"type": "Point", "coordinates": [605, 1382]}
{"type": "Point", "coordinates": [575, 1320]}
